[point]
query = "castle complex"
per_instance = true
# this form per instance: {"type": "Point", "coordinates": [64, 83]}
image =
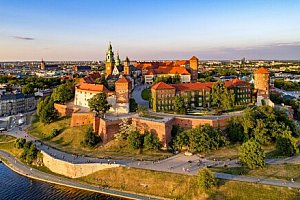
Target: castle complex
{"type": "Point", "coordinates": [195, 94]}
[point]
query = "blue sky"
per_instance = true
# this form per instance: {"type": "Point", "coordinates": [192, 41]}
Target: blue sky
{"type": "Point", "coordinates": [153, 29]}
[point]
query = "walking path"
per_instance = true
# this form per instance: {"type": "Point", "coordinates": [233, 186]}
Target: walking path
{"type": "Point", "coordinates": [25, 170]}
{"type": "Point", "coordinates": [180, 163]}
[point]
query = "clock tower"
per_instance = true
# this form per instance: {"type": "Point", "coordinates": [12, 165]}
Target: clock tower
{"type": "Point", "coordinates": [109, 61]}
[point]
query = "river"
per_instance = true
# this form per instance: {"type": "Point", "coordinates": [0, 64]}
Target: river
{"type": "Point", "coordinates": [16, 187]}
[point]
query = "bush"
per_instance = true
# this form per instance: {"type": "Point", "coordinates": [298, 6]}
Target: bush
{"type": "Point", "coordinates": [206, 179]}
{"type": "Point", "coordinates": [20, 143]}
{"type": "Point", "coordinates": [134, 140]}
{"type": "Point", "coordinates": [251, 154]}
{"type": "Point", "coordinates": [151, 141]}
{"type": "Point", "coordinates": [90, 139]}
{"type": "Point", "coordinates": [54, 133]}
{"type": "Point", "coordinates": [29, 153]}
{"type": "Point", "coordinates": [286, 145]}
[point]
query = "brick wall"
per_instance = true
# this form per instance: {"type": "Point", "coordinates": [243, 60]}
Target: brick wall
{"type": "Point", "coordinates": [79, 119]}
{"type": "Point", "coordinates": [161, 129]}
{"type": "Point", "coordinates": [64, 110]}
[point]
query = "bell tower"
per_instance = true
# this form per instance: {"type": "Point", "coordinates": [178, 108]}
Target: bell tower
{"type": "Point", "coordinates": [127, 66]}
{"type": "Point", "coordinates": [109, 61]}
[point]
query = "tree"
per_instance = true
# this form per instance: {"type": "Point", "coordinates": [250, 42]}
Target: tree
{"type": "Point", "coordinates": [286, 144]}
{"type": "Point", "coordinates": [179, 105]}
{"type": "Point", "coordinates": [20, 142]}
{"type": "Point", "coordinates": [176, 79]}
{"type": "Point", "coordinates": [206, 179]}
{"type": "Point", "coordinates": [151, 142]}
{"type": "Point", "coordinates": [134, 140]}
{"type": "Point", "coordinates": [251, 154]}
{"type": "Point", "coordinates": [181, 140]}
{"type": "Point", "coordinates": [205, 138]}
{"type": "Point", "coordinates": [99, 104]}
{"type": "Point", "coordinates": [124, 130]}
{"type": "Point", "coordinates": [132, 105]}
{"type": "Point", "coordinates": [222, 97]}
{"type": "Point", "coordinates": [234, 130]}
{"type": "Point", "coordinates": [90, 139]}
{"type": "Point", "coordinates": [63, 93]}
{"type": "Point", "coordinates": [27, 89]}
{"type": "Point", "coordinates": [48, 113]}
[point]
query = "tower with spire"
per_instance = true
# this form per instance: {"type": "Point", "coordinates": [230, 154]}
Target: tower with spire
{"type": "Point", "coordinates": [109, 61]}
{"type": "Point", "coordinates": [127, 66]}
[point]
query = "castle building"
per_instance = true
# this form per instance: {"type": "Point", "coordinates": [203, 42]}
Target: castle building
{"type": "Point", "coordinates": [196, 94]}
{"type": "Point", "coordinates": [118, 99]}
{"type": "Point", "coordinates": [127, 70]}
{"type": "Point", "coordinates": [110, 61]}
{"type": "Point", "coordinates": [186, 69]}
{"type": "Point", "coordinates": [262, 86]}
{"type": "Point", "coordinates": [194, 67]}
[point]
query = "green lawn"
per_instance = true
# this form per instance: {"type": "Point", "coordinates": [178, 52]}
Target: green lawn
{"type": "Point", "coordinates": [70, 137]}
{"type": "Point", "coordinates": [146, 94]}
{"type": "Point", "coordinates": [177, 186]}
{"type": "Point", "coordinates": [282, 171]}
{"type": "Point", "coordinates": [6, 138]}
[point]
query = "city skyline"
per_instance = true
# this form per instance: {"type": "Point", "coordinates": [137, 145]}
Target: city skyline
{"type": "Point", "coordinates": [77, 30]}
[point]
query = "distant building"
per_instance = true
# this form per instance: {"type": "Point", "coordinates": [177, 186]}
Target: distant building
{"type": "Point", "coordinates": [11, 104]}
{"type": "Point", "coordinates": [47, 67]}
{"type": "Point", "coordinates": [82, 69]}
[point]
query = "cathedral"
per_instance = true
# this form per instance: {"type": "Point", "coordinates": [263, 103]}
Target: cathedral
{"type": "Point", "coordinates": [117, 75]}
{"type": "Point", "coordinates": [114, 68]}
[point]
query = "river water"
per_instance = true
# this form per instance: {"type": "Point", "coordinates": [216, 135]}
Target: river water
{"type": "Point", "coordinates": [14, 187]}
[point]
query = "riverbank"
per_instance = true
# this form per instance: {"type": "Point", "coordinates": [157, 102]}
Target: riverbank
{"type": "Point", "coordinates": [18, 167]}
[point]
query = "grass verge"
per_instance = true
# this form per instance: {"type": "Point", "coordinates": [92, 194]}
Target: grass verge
{"type": "Point", "coordinates": [177, 186]}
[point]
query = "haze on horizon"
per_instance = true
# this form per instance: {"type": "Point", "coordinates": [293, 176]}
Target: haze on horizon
{"type": "Point", "coordinates": [149, 29]}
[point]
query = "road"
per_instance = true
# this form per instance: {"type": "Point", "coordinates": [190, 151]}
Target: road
{"type": "Point", "coordinates": [136, 94]}
{"type": "Point", "coordinates": [25, 170]}
{"type": "Point", "coordinates": [60, 154]}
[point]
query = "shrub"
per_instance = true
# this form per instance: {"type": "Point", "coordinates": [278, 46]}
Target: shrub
{"type": "Point", "coordinates": [251, 154]}
{"type": "Point", "coordinates": [20, 143]}
{"type": "Point", "coordinates": [151, 141]}
{"type": "Point", "coordinates": [90, 139]}
{"type": "Point", "coordinates": [134, 140]}
{"type": "Point", "coordinates": [286, 145]}
{"type": "Point", "coordinates": [206, 179]}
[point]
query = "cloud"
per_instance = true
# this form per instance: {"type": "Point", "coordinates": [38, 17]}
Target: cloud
{"type": "Point", "coordinates": [22, 38]}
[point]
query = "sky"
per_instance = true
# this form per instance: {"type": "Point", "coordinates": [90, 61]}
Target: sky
{"type": "Point", "coordinates": [149, 29]}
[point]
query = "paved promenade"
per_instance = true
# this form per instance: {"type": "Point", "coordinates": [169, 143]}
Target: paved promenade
{"type": "Point", "coordinates": [25, 170]}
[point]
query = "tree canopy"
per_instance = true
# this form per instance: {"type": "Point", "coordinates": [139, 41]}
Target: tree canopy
{"type": "Point", "coordinates": [63, 93]}
{"type": "Point", "coordinates": [223, 98]}
{"type": "Point", "coordinates": [251, 154]}
{"type": "Point", "coordinates": [99, 104]}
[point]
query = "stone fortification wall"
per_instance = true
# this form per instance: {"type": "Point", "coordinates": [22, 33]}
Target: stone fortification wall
{"type": "Point", "coordinates": [73, 170]}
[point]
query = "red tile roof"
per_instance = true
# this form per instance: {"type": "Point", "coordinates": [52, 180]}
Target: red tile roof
{"type": "Point", "coordinates": [193, 86]}
{"type": "Point", "coordinates": [122, 80]}
{"type": "Point", "coordinates": [162, 86]}
{"type": "Point", "coordinates": [168, 70]}
{"type": "Point", "coordinates": [200, 85]}
{"type": "Point", "coordinates": [92, 87]}
{"type": "Point", "coordinates": [235, 82]}
{"type": "Point", "coordinates": [261, 70]}
{"type": "Point", "coordinates": [194, 58]}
